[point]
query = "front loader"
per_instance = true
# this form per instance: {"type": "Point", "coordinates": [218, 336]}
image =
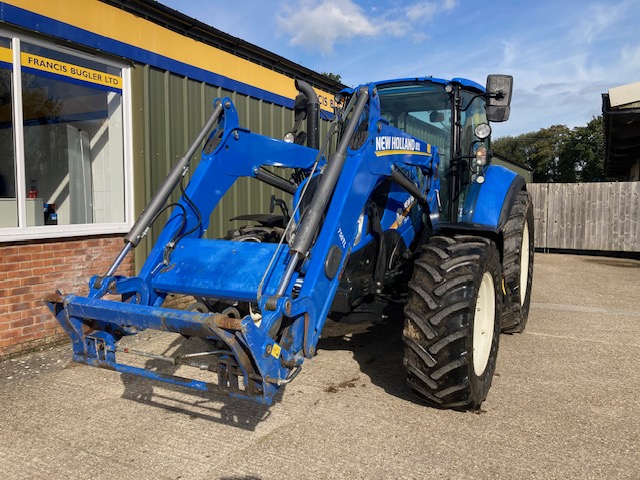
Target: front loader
{"type": "Point", "coordinates": [407, 210]}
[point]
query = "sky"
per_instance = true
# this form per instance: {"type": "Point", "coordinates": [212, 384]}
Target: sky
{"type": "Point", "coordinates": [563, 54]}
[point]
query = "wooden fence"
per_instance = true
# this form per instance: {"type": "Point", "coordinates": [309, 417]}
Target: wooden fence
{"type": "Point", "coordinates": [587, 216]}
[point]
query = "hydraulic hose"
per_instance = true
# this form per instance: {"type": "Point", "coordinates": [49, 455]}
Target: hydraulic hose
{"type": "Point", "coordinates": [311, 220]}
{"type": "Point", "coordinates": [158, 200]}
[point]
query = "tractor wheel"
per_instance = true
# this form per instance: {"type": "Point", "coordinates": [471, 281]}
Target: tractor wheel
{"type": "Point", "coordinates": [517, 264]}
{"type": "Point", "coordinates": [452, 321]}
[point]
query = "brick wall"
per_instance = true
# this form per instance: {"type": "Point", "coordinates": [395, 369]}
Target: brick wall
{"type": "Point", "coordinates": [28, 270]}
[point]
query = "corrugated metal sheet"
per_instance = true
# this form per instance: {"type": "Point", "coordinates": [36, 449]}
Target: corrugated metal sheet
{"type": "Point", "coordinates": [168, 112]}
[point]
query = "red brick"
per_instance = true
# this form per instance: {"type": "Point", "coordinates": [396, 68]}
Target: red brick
{"type": "Point", "coordinates": [17, 258]}
{"type": "Point", "coordinates": [30, 281]}
{"type": "Point", "coordinates": [32, 329]}
{"type": "Point", "coordinates": [9, 267]}
{"type": "Point", "coordinates": [9, 283]}
{"type": "Point", "coordinates": [9, 301]}
{"type": "Point", "coordinates": [12, 250]}
{"type": "Point", "coordinates": [41, 256]}
{"type": "Point", "coordinates": [12, 315]}
{"type": "Point", "coordinates": [23, 322]}
{"type": "Point", "coordinates": [45, 269]}
{"type": "Point", "coordinates": [18, 307]}
{"type": "Point", "coordinates": [31, 248]}
{"type": "Point", "coordinates": [41, 288]}
{"type": "Point", "coordinates": [30, 264]}
{"type": "Point", "coordinates": [11, 333]}
{"type": "Point", "coordinates": [17, 291]}
{"type": "Point", "coordinates": [23, 339]}
{"type": "Point", "coordinates": [31, 296]}
{"type": "Point", "coordinates": [51, 323]}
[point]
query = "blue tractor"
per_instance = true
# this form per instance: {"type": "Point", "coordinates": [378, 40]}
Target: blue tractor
{"type": "Point", "coordinates": [399, 204]}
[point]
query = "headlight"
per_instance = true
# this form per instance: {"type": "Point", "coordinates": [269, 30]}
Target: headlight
{"type": "Point", "coordinates": [481, 156]}
{"type": "Point", "coordinates": [478, 179]}
{"type": "Point", "coordinates": [482, 130]}
{"type": "Point", "coordinates": [289, 137]}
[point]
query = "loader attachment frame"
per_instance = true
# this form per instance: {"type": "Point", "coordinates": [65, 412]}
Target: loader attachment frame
{"type": "Point", "coordinates": [292, 283]}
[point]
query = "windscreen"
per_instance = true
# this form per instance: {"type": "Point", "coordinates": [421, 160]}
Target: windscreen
{"type": "Point", "coordinates": [423, 110]}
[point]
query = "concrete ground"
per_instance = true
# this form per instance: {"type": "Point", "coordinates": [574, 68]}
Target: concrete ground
{"type": "Point", "coordinates": [564, 404]}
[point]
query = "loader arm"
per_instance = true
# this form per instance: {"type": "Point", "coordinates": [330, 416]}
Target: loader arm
{"type": "Point", "coordinates": [292, 283]}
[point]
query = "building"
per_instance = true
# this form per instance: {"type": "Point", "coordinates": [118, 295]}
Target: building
{"type": "Point", "coordinates": [97, 100]}
{"type": "Point", "coordinates": [621, 115]}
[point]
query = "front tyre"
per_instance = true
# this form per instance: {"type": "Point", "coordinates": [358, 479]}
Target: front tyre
{"type": "Point", "coordinates": [517, 264]}
{"type": "Point", "coordinates": [452, 321]}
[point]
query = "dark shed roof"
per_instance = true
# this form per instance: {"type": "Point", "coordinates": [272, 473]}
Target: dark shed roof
{"type": "Point", "coordinates": [622, 135]}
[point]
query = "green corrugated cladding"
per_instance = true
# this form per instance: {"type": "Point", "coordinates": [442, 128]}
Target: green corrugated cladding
{"type": "Point", "coordinates": [168, 112]}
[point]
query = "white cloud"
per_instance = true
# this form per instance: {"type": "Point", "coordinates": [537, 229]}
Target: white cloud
{"type": "Point", "coordinates": [427, 10]}
{"type": "Point", "coordinates": [320, 25]}
{"type": "Point", "coordinates": [596, 20]}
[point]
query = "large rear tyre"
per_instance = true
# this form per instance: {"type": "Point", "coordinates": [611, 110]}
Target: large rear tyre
{"type": "Point", "coordinates": [452, 321]}
{"type": "Point", "coordinates": [517, 264]}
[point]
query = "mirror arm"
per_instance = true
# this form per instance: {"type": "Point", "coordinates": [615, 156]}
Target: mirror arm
{"type": "Point", "coordinates": [483, 95]}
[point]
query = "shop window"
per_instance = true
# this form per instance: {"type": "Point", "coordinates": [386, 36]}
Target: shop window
{"type": "Point", "coordinates": [68, 165]}
{"type": "Point", "coordinates": [8, 205]}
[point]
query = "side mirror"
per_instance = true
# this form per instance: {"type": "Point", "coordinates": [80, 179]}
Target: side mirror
{"type": "Point", "coordinates": [499, 89]}
{"type": "Point", "coordinates": [436, 117]}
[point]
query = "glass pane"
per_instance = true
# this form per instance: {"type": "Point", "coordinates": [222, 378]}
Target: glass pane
{"type": "Point", "coordinates": [424, 111]}
{"type": "Point", "coordinates": [74, 164]}
{"type": "Point", "coordinates": [8, 204]}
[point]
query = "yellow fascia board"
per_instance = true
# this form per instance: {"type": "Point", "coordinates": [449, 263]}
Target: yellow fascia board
{"type": "Point", "coordinates": [110, 22]}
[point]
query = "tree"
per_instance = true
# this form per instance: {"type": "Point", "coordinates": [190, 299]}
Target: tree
{"type": "Point", "coordinates": [585, 151]}
{"type": "Point", "coordinates": [557, 153]}
{"type": "Point", "coordinates": [333, 76]}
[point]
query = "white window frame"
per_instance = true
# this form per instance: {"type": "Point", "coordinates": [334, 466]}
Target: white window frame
{"type": "Point", "coordinates": [24, 232]}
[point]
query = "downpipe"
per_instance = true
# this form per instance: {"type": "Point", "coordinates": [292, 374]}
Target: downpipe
{"type": "Point", "coordinates": [313, 113]}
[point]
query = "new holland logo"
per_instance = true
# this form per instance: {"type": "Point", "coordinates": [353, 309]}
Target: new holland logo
{"type": "Point", "coordinates": [390, 145]}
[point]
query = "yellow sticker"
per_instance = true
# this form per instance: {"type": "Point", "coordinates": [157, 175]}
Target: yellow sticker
{"type": "Point", "coordinates": [70, 70]}
{"type": "Point", "coordinates": [6, 55]}
{"type": "Point", "coordinates": [275, 350]}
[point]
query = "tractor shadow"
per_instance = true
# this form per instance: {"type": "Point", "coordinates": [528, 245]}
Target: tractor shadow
{"type": "Point", "coordinates": [377, 347]}
{"type": "Point", "coordinates": [194, 404]}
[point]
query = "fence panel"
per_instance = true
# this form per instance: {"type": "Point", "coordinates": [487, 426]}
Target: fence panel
{"type": "Point", "coordinates": [587, 216]}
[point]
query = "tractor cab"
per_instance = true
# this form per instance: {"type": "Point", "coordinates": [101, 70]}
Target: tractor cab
{"type": "Point", "coordinates": [454, 115]}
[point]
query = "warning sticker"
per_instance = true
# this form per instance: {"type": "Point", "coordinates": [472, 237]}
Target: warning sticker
{"type": "Point", "coordinates": [275, 350]}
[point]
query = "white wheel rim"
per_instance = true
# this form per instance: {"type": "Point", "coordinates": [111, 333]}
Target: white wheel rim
{"type": "Point", "coordinates": [483, 323]}
{"type": "Point", "coordinates": [524, 263]}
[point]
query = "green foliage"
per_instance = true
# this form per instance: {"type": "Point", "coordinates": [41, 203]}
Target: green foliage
{"type": "Point", "coordinates": [557, 153]}
{"type": "Point", "coordinates": [333, 76]}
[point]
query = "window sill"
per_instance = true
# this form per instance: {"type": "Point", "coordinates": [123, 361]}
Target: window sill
{"type": "Point", "coordinates": [60, 231]}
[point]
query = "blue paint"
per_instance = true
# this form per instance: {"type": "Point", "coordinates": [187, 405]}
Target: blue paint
{"type": "Point", "coordinates": [265, 351]}
{"type": "Point", "coordinates": [492, 195]}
